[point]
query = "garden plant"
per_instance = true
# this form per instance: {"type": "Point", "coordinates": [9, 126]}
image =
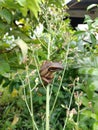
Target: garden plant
{"type": "Point", "coordinates": [48, 70]}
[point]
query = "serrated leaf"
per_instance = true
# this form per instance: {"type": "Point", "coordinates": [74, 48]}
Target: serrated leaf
{"type": "Point", "coordinates": [23, 46]}
{"type": "Point", "coordinates": [5, 14]}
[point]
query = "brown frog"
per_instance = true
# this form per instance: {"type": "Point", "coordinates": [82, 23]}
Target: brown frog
{"type": "Point", "coordinates": [47, 70]}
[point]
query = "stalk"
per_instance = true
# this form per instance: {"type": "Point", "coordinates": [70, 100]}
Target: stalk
{"type": "Point", "coordinates": [31, 103]}
{"type": "Point", "coordinates": [69, 106]}
{"type": "Point", "coordinates": [47, 95]}
{"type": "Point", "coordinates": [47, 107]}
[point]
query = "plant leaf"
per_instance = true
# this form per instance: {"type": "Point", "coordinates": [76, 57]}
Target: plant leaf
{"type": "Point", "coordinates": [4, 67]}
{"type": "Point", "coordinates": [5, 14]}
{"type": "Point", "coordinates": [23, 46]}
{"type": "Point", "coordinates": [33, 5]}
{"type": "Point", "coordinates": [91, 6]}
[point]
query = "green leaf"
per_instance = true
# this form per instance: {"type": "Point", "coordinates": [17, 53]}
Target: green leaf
{"type": "Point", "coordinates": [95, 126]}
{"type": "Point", "coordinates": [95, 84]}
{"type": "Point", "coordinates": [6, 14]}
{"type": "Point", "coordinates": [23, 8]}
{"type": "Point", "coordinates": [33, 5]}
{"type": "Point", "coordinates": [79, 32]}
{"type": "Point", "coordinates": [85, 101]}
{"type": "Point", "coordinates": [21, 35]}
{"type": "Point", "coordinates": [93, 38]}
{"type": "Point", "coordinates": [4, 67]}
{"type": "Point", "coordinates": [96, 108]}
{"type": "Point", "coordinates": [58, 3]}
{"type": "Point", "coordinates": [22, 2]}
{"type": "Point", "coordinates": [89, 113]}
{"type": "Point", "coordinates": [3, 45]}
{"type": "Point", "coordinates": [88, 19]}
{"type": "Point", "coordinates": [2, 25]}
{"type": "Point", "coordinates": [23, 46]}
{"type": "Point", "coordinates": [89, 71]}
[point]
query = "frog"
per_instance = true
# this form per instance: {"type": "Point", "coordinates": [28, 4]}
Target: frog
{"type": "Point", "coordinates": [48, 69]}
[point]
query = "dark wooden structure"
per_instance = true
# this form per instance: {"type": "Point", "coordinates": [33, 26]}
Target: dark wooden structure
{"type": "Point", "coordinates": [77, 10]}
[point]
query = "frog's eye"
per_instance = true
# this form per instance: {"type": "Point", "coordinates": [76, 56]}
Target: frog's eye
{"type": "Point", "coordinates": [54, 69]}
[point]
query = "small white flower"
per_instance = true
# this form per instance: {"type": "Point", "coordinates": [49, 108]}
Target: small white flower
{"type": "Point", "coordinates": [36, 81]}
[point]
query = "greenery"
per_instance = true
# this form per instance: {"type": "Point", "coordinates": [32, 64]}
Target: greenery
{"type": "Point", "coordinates": [34, 31]}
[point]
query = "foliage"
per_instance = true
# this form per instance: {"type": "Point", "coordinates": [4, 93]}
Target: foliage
{"type": "Point", "coordinates": [33, 31]}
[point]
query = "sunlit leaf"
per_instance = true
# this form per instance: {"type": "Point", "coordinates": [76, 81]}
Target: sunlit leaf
{"type": "Point", "coordinates": [88, 19]}
{"type": "Point", "coordinates": [21, 2]}
{"type": "Point", "coordinates": [15, 120]}
{"type": "Point", "coordinates": [95, 126]}
{"type": "Point", "coordinates": [23, 46]}
{"type": "Point", "coordinates": [91, 6]}
{"type": "Point", "coordinates": [33, 5]}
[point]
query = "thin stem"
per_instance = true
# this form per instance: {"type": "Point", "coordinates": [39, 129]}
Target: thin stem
{"type": "Point", "coordinates": [35, 60]}
{"type": "Point", "coordinates": [65, 60]}
{"type": "Point", "coordinates": [30, 109]}
{"type": "Point", "coordinates": [31, 101]}
{"type": "Point", "coordinates": [78, 109]}
{"type": "Point", "coordinates": [47, 94]}
{"type": "Point", "coordinates": [69, 106]}
{"type": "Point", "coordinates": [24, 92]}
{"type": "Point", "coordinates": [47, 107]}
{"type": "Point", "coordinates": [49, 48]}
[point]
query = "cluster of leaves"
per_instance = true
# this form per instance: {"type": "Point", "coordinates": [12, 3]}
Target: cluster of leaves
{"type": "Point", "coordinates": [24, 39]}
{"type": "Point", "coordinates": [85, 61]}
{"type": "Point", "coordinates": [32, 31]}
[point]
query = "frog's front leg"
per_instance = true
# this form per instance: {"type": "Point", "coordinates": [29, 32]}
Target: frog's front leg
{"type": "Point", "coordinates": [46, 81]}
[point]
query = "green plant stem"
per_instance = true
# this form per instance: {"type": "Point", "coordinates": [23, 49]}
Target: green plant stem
{"type": "Point", "coordinates": [47, 94]}
{"type": "Point", "coordinates": [78, 109]}
{"type": "Point", "coordinates": [24, 92]}
{"type": "Point", "coordinates": [65, 60]}
{"type": "Point", "coordinates": [49, 48]}
{"type": "Point", "coordinates": [47, 107]}
{"type": "Point", "coordinates": [31, 102]}
{"type": "Point", "coordinates": [36, 63]}
{"type": "Point", "coordinates": [30, 109]}
{"type": "Point", "coordinates": [69, 106]}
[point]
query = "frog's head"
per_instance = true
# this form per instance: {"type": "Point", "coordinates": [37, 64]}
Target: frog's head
{"type": "Point", "coordinates": [55, 66]}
